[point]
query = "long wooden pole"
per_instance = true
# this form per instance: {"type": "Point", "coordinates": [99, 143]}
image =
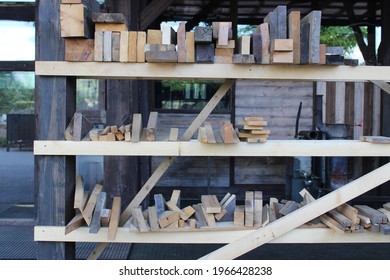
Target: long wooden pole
{"type": "Point", "coordinates": [302, 215]}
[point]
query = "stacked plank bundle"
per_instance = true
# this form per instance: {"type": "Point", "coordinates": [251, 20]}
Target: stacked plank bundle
{"type": "Point", "coordinates": [280, 39]}
{"type": "Point", "coordinates": [91, 210]}
{"type": "Point", "coordinates": [252, 130]}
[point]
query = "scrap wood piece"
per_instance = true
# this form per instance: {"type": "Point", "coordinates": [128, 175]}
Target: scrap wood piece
{"type": "Point", "coordinates": [136, 128]}
{"type": "Point", "coordinates": [151, 128]}
{"type": "Point", "coordinates": [340, 218]}
{"type": "Point", "coordinates": [211, 204]}
{"type": "Point", "coordinates": [376, 216]}
{"type": "Point", "coordinates": [273, 209]}
{"type": "Point", "coordinates": [349, 212]}
{"type": "Point", "coordinates": [105, 217]}
{"type": "Point", "coordinates": [258, 208]}
{"type": "Point", "coordinates": [229, 206]}
{"type": "Point", "coordinates": [159, 203]}
{"type": "Point", "coordinates": [75, 223]}
{"type": "Point", "coordinates": [239, 215]}
{"type": "Point", "coordinates": [167, 218]}
{"type": "Point", "coordinates": [78, 128]}
{"type": "Point", "coordinates": [265, 215]}
{"type": "Point", "coordinates": [199, 215]}
{"type": "Point", "coordinates": [382, 85]}
{"type": "Point", "coordinates": [173, 134]}
{"type": "Point", "coordinates": [100, 205]}
{"type": "Point", "coordinates": [375, 139]}
{"type": "Point", "coordinates": [289, 207]}
{"type": "Point", "coordinates": [175, 197]}
{"type": "Point", "coordinates": [332, 223]}
{"type": "Point", "coordinates": [181, 42]}
{"type": "Point", "coordinates": [88, 210]}
{"type": "Point", "coordinates": [185, 213]}
{"type": "Point", "coordinates": [139, 220]}
{"type": "Point", "coordinates": [387, 206]}
{"type": "Point", "coordinates": [385, 211]}
{"type": "Point", "coordinates": [225, 198]}
{"type": "Point", "coordinates": [202, 135]}
{"type": "Point", "coordinates": [114, 220]}
{"type": "Point", "coordinates": [384, 229]}
{"type": "Point", "coordinates": [79, 49]}
{"type": "Point", "coordinates": [210, 219]}
{"type": "Point", "coordinates": [249, 208]}
{"type": "Point", "coordinates": [364, 221]}
{"type": "Point", "coordinates": [79, 194]}
{"type": "Point", "coordinates": [227, 132]}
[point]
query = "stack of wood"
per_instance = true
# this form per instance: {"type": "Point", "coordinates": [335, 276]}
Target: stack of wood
{"type": "Point", "coordinates": [252, 130]}
{"type": "Point", "coordinates": [281, 38]}
{"type": "Point", "coordinates": [79, 127]}
{"type": "Point", "coordinates": [226, 134]}
{"type": "Point", "coordinates": [91, 210]}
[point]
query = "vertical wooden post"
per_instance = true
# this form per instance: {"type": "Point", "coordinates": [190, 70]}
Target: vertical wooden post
{"type": "Point", "coordinates": [124, 98]}
{"type": "Point", "coordinates": [54, 106]}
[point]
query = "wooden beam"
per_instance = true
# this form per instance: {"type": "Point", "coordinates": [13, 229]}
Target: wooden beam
{"type": "Point", "coordinates": [303, 215]}
{"type": "Point", "coordinates": [25, 66]}
{"type": "Point", "coordinates": [162, 71]}
{"type": "Point", "coordinates": [383, 85]}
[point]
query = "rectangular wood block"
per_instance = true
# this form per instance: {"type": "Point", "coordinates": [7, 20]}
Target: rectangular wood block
{"type": "Point", "coordinates": [217, 24]}
{"type": "Point", "coordinates": [79, 49]}
{"type": "Point", "coordinates": [159, 47]}
{"type": "Point", "coordinates": [136, 128]}
{"type": "Point", "coordinates": [98, 48]}
{"type": "Point", "coordinates": [107, 45]}
{"type": "Point", "coordinates": [314, 20]}
{"type": "Point", "coordinates": [282, 57]}
{"type": "Point", "coordinates": [257, 47]}
{"type": "Point", "coordinates": [181, 42]}
{"type": "Point", "coordinates": [272, 20]}
{"type": "Point", "coordinates": [249, 208]}
{"type": "Point", "coordinates": [154, 36]}
{"type": "Point", "coordinates": [243, 59]}
{"type": "Point", "coordinates": [116, 43]}
{"type": "Point", "coordinates": [239, 215]}
{"type": "Point", "coordinates": [244, 45]}
{"type": "Point", "coordinates": [203, 34]}
{"type": "Point", "coordinates": [141, 41]}
{"type": "Point", "coordinates": [223, 33]}
{"type": "Point", "coordinates": [231, 45]}
{"type": "Point", "coordinates": [322, 54]}
{"type": "Point", "coordinates": [159, 202]}
{"type": "Point", "coordinates": [204, 53]}
{"type": "Point", "coordinates": [282, 45]}
{"type": "Point", "coordinates": [281, 11]}
{"type": "Point", "coordinates": [190, 47]}
{"type": "Point", "coordinates": [168, 35]}
{"type": "Point", "coordinates": [109, 18]}
{"type": "Point", "coordinates": [76, 21]}
{"type": "Point", "coordinates": [265, 41]}
{"type": "Point", "coordinates": [305, 37]}
{"type": "Point", "coordinates": [124, 47]}
{"type": "Point", "coordinates": [132, 48]}
{"type": "Point", "coordinates": [224, 56]}
{"type": "Point", "coordinates": [118, 27]}
{"type": "Point", "coordinates": [211, 204]}
{"type": "Point", "coordinates": [161, 56]}
{"type": "Point", "coordinates": [294, 33]}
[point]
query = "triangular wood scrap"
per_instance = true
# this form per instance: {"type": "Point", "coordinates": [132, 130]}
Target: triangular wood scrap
{"type": "Point", "coordinates": [78, 128]}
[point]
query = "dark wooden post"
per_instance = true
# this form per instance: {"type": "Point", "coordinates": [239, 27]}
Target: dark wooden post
{"type": "Point", "coordinates": [124, 98]}
{"type": "Point", "coordinates": [384, 59]}
{"type": "Point", "coordinates": [55, 104]}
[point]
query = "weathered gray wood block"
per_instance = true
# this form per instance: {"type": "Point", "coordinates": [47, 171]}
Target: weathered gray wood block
{"type": "Point", "coordinates": [243, 59]}
{"type": "Point", "coordinates": [314, 20]}
{"type": "Point", "coordinates": [272, 20]}
{"type": "Point", "coordinates": [100, 205]}
{"type": "Point", "coordinates": [281, 12]}
{"type": "Point", "coordinates": [203, 34]}
{"type": "Point", "coordinates": [257, 47]}
{"type": "Point", "coordinates": [204, 53]}
{"type": "Point", "coordinates": [159, 202]}
{"type": "Point", "coordinates": [161, 56]}
{"type": "Point", "coordinates": [305, 35]}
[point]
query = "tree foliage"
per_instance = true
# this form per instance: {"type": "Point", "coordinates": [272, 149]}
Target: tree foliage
{"type": "Point", "coordinates": [340, 36]}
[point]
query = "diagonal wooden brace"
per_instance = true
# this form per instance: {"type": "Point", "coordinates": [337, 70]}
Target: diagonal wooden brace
{"type": "Point", "coordinates": [302, 215]}
{"type": "Point", "coordinates": [167, 162]}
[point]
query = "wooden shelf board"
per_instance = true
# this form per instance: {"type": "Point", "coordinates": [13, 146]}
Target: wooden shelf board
{"type": "Point", "coordinates": [162, 71]}
{"type": "Point", "coordinates": [106, 148]}
{"type": "Point", "coordinates": [124, 235]}
{"type": "Point", "coordinates": [278, 148]}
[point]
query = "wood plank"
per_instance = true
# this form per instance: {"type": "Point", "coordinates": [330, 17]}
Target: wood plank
{"type": "Point", "coordinates": [202, 136]}
{"type": "Point", "coordinates": [257, 47]}
{"type": "Point", "coordinates": [331, 223]}
{"type": "Point", "coordinates": [272, 20]}
{"type": "Point", "coordinates": [105, 217]}
{"type": "Point", "coordinates": [349, 212]}
{"type": "Point", "coordinates": [190, 47]}
{"type": "Point", "coordinates": [161, 56]}
{"type": "Point", "coordinates": [266, 42]}
{"type": "Point", "coordinates": [217, 24]}
{"type": "Point", "coordinates": [305, 43]}
{"type": "Point", "coordinates": [223, 33]}
{"type": "Point", "coordinates": [168, 34]}
{"type": "Point", "coordinates": [289, 207]}
{"type": "Point", "coordinates": [124, 47]}
{"type": "Point", "coordinates": [151, 128]}
{"type": "Point", "coordinates": [210, 133]}
{"type": "Point", "coordinates": [281, 11]}
{"type": "Point", "coordinates": [231, 45]}
{"type": "Point", "coordinates": [243, 59]}
{"type": "Point", "coordinates": [322, 54]}
{"type": "Point", "coordinates": [79, 194]}
{"type": "Point", "coordinates": [224, 56]}
{"type": "Point", "coordinates": [154, 36]}
{"type": "Point", "coordinates": [109, 17]}
{"type": "Point", "coordinates": [229, 205]}
{"type": "Point", "coordinates": [239, 215]}
{"type": "Point", "coordinates": [294, 33]}
{"type": "Point", "coordinates": [136, 128]}
{"type": "Point", "coordinates": [199, 215]}
{"type": "Point", "coordinates": [173, 134]}
{"type": "Point", "coordinates": [175, 198]}
{"type": "Point", "coordinates": [139, 220]}
{"type": "Point", "coordinates": [75, 223]}
{"type": "Point", "coordinates": [258, 209]}
{"type": "Point", "coordinates": [133, 46]}
{"type": "Point", "coordinates": [159, 203]}
{"type": "Point", "coordinates": [88, 210]}
{"type": "Point", "coordinates": [211, 204]}
{"type": "Point", "coordinates": [249, 208]}
{"type": "Point", "coordinates": [114, 220]}
{"type": "Point", "coordinates": [79, 49]}
{"type": "Point", "coordinates": [181, 42]}
{"type": "Point", "coordinates": [75, 21]}
{"type": "Point", "coordinates": [314, 19]}
{"type": "Point", "coordinates": [100, 205]}
{"type": "Point", "coordinates": [116, 43]}
{"type": "Point", "coordinates": [376, 216]}
{"type": "Point", "coordinates": [282, 45]}
{"type": "Point", "coordinates": [98, 48]}
{"type": "Point", "coordinates": [382, 85]}
{"type": "Point", "coordinates": [340, 218]}
{"type": "Point", "coordinates": [117, 27]}
{"type": "Point", "coordinates": [282, 57]}
{"type": "Point", "coordinates": [210, 220]}
{"type": "Point", "coordinates": [244, 44]}
{"type": "Point", "coordinates": [167, 218]}
{"type": "Point", "coordinates": [204, 53]}
{"type": "Point", "coordinates": [203, 34]}
{"type": "Point", "coordinates": [107, 46]}
{"type": "Point", "coordinates": [265, 215]}
{"type": "Point", "coordinates": [141, 41]}
{"type": "Point", "coordinates": [159, 47]}
{"type": "Point", "coordinates": [273, 209]}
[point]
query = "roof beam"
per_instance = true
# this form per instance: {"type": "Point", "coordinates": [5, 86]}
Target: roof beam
{"type": "Point", "coordinates": [152, 11]}
{"type": "Point", "coordinates": [25, 66]}
{"type": "Point", "coordinates": [22, 11]}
